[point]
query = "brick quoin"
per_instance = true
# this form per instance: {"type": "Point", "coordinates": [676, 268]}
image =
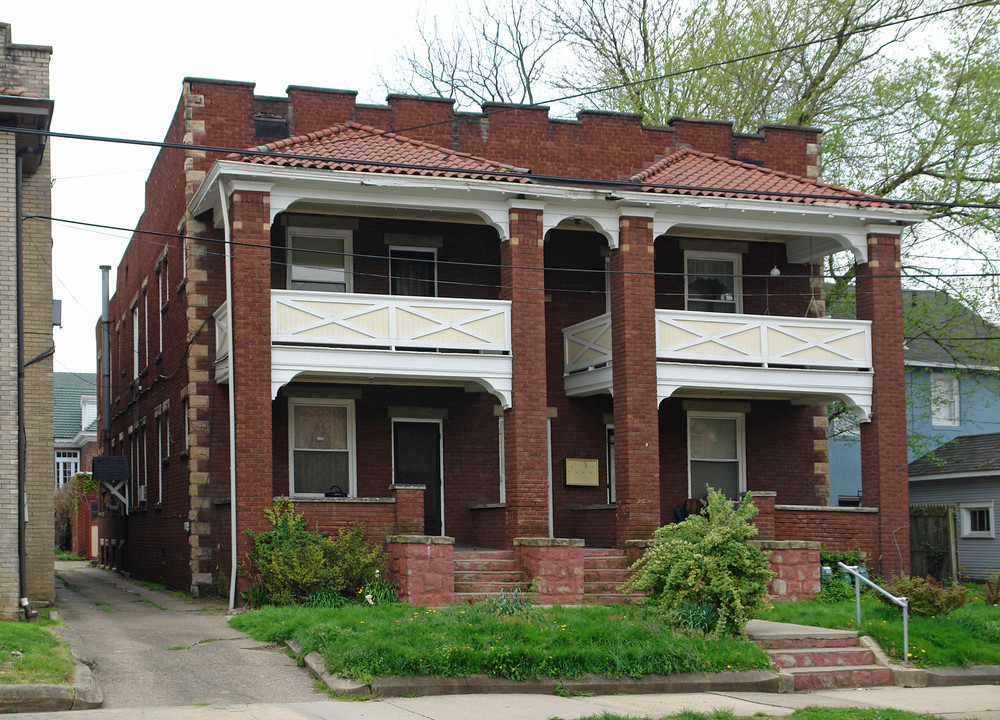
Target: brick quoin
{"type": "Point", "coordinates": [633, 338]}
{"type": "Point", "coordinates": [525, 423]}
{"type": "Point", "coordinates": [884, 477]}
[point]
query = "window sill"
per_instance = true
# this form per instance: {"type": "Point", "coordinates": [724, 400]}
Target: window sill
{"type": "Point", "coordinates": [349, 500]}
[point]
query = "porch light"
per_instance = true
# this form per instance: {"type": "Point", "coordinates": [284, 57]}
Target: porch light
{"type": "Point", "coordinates": [775, 272]}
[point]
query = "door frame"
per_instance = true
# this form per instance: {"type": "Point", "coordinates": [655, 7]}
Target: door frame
{"type": "Point", "coordinates": [440, 427]}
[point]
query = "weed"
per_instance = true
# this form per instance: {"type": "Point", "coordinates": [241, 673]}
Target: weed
{"type": "Point", "coordinates": [179, 647]}
{"type": "Point", "coordinates": [149, 585]}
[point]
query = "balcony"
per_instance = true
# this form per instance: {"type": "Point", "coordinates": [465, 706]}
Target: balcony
{"type": "Point", "coordinates": [384, 338]}
{"type": "Point", "coordinates": [803, 359]}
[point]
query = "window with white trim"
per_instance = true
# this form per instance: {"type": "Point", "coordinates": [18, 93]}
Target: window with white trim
{"type": "Point", "coordinates": [88, 410]}
{"type": "Point", "coordinates": [319, 259]}
{"type": "Point", "coordinates": [713, 282]}
{"type": "Point", "coordinates": [503, 461]}
{"type": "Point", "coordinates": [716, 454]}
{"type": "Point", "coordinates": [321, 452]}
{"type": "Point", "coordinates": [135, 342]}
{"type": "Point", "coordinates": [67, 465]}
{"type": "Point", "coordinates": [612, 490]}
{"type": "Point", "coordinates": [945, 403]}
{"type": "Point", "coordinates": [976, 519]}
{"type": "Point", "coordinates": [413, 271]}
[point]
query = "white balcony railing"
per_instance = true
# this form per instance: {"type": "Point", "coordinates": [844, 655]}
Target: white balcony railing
{"type": "Point", "coordinates": [763, 340]}
{"type": "Point", "coordinates": [388, 321]}
{"type": "Point", "coordinates": [588, 344]}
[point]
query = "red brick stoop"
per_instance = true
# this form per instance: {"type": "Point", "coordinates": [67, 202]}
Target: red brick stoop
{"type": "Point", "coordinates": [818, 658]}
{"type": "Point", "coordinates": [480, 574]}
{"type": "Point", "coordinates": [604, 571]}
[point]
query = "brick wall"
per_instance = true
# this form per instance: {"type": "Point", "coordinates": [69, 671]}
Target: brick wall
{"type": "Point", "coordinates": [837, 529]}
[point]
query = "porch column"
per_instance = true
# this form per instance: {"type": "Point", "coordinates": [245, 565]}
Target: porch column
{"type": "Point", "coordinates": [250, 365]}
{"type": "Point", "coordinates": [884, 476]}
{"type": "Point", "coordinates": [633, 338]}
{"type": "Point", "coordinates": [525, 424]}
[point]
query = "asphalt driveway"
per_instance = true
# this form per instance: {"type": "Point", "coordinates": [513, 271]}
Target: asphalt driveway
{"type": "Point", "coordinates": [152, 647]}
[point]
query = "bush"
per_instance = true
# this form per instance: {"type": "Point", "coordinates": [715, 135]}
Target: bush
{"type": "Point", "coordinates": [839, 586]}
{"type": "Point", "coordinates": [708, 558]}
{"type": "Point", "coordinates": [290, 564]}
{"type": "Point", "coordinates": [926, 595]}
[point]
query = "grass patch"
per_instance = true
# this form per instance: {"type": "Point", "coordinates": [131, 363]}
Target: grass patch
{"type": "Point", "coordinates": [967, 636]}
{"type": "Point", "coordinates": [808, 713]}
{"type": "Point", "coordinates": [67, 555]}
{"type": "Point", "coordinates": [148, 602]}
{"type": "Point", "coordinates": [362, 642]}
{"type": "Point", "coordinates": [179, 647]}
{"type": "Point", "coordinates": [31, 654]}
{"type": "Point", "coordinates": [149, 585]}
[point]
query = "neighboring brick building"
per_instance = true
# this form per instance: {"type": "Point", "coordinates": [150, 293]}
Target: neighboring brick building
{"type": "Point", "coordinates": [24, 103]}
{"type": "Point", "coordinates": [422, 328]}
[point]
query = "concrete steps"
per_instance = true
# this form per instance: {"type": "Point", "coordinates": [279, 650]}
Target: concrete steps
{"type": "Point", "coordinates": [604, 571]}
{"type": "Point", "coordinates": [481, 574]}
{"type": "Point", "coordinates": [818, 658]}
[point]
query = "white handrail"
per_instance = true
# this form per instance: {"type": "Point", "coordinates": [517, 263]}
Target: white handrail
{"type": "Point", "coordinates": [901, 601]}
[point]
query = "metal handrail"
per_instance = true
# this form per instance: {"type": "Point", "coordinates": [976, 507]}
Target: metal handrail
{"type": "Point", "coordinates": [901, 601]}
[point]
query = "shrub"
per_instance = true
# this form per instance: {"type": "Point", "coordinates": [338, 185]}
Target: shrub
{"type": "Point", "coordinates": [695, 615]}
{"type": "Point", "coordinates": [839, 586]}
{"type": "Point", "coordinates": [289, 563]}
{"type": "Point", "coordinates": [991, 590]}
{"type": "Point", "coordinates": [708, 558]}
{"type": "Point", "coordinates": [926, 595]}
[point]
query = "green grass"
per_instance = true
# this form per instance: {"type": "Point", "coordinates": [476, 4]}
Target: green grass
{"type": "Point", "coordinates": [808, 713]}
{"type": "Point", "coordinates": [149, 585]}
{"type": "Point", "coordinates": [362, 642]}
{"type": "Point", "coordinates": [31, 654]}
{"type": "Point", "coordinates": [66, 555]}
{"type": "Point", "coordinates": [969, 635]}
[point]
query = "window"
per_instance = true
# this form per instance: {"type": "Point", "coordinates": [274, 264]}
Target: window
{"type": "Point", "coordinates": [145, 331]}
{"type": "Point", "coordinates": [135, 342]}
{"type": "Point", "coordinates": [413, 271]}
{"type": "Point", "coordinates": [713, 282]}
{"type": "Point", "coordinates": [67, 465]}
{"type": "Point", "coordinates": [976, 519]}
{"type": "Point", "coordinates": [159, 458]}
{"type": "Point", "coordinates": [503, 462]}
{"type": "Point", "coordinates": [611, 464]}
{"type": "Point", "coordinates": [716, 454]}
{"type": "Point", "coordinates": [321, 446]}
{"type": "Point", "coordinates": [88, 411]}
{"type": "Point", "coordinates": [319, 260]}
{"type": "Point", "coordinates": [945, 407]}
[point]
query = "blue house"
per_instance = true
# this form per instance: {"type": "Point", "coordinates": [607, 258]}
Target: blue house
{"type": "Point", "coordinates": [952, 360]}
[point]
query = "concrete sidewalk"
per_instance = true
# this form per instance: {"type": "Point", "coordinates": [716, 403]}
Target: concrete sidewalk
{"type": "Point", "coordinates": [952, 702]}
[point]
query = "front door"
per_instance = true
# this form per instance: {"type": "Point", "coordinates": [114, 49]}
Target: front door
{"type": "Point", "coordinates": [417, 461]}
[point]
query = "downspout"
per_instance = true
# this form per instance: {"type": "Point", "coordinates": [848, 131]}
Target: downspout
{"type": "Point", "coordinates": [232, 396]}
{"type": "Point", "coordinates": [22, 440]}
{"type": "Point", "coordinates": [106, 357]}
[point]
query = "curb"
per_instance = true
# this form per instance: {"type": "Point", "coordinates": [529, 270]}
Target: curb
{"type": "Point", "coordinates": [84, 694]}
{"type": "Point", "coordinates": [743, 681]}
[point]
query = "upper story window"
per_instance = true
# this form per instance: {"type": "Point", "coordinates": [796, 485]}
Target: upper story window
{"type": "Point", "coordinates": [413, 271]}
{"type": "Point", "coordinates": [319, 259]}
{"type": "Point", "coordinates": [945, 404]}
{"type": "Point", "coordinates": [713, 282]}
{"type": "Point", "coordinates": [88, 411]}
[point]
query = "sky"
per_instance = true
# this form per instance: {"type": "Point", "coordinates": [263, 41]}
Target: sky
{"type": "Point", "coordinates": [117, 69]}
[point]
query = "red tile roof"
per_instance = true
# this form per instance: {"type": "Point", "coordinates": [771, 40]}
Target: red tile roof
{"type": "Point", "coordinates": [351, 146]}
{"type": "Point", "coordinates": [18, 93]}
{"type": "Point", "coordinates": [691, 172]}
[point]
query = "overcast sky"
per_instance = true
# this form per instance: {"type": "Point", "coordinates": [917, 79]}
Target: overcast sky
{"type": "Point", "coordinates": [117, 69]}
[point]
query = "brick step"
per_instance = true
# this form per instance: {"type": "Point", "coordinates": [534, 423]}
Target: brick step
{"type": "Point", "coordinates": [489, 588]}
{"type": "Point", "coordinates": [612, 598]}
{"type": "Point", "coordinates": [611, 562]}
{"type": "Point", "coordinates": [847, 639]}
{"type": "Point", "coordinates": [606, 575]}
{"type": "Point", "coordinates": [511, 576]}
{"type": "Point", "coordinates": [807, 679]}
{"type": "Point", "coordinates": [486, 565]}
{"type": "Point", "coordinates": [602, 588]}
{"type": "Point", "coordinates": [484, 555]}
{"type": "Point", "coordinates": [823, 657]}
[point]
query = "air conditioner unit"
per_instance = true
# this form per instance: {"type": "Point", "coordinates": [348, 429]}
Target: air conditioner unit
{"type": "Point", "coordinates": [142, 493]}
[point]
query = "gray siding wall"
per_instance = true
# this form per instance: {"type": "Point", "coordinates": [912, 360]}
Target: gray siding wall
{"type": "Point", "coordinates": [977, 557]}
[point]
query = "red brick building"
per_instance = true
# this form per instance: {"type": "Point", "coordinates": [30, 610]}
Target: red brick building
{"type": "Point", "coordinates": [494, 327]}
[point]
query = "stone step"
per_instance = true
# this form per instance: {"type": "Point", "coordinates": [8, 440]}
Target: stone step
{"type": "Point", "coordinates": [613, 562]}
{"type": "Point", "coordinates": [823, 657]}
{"type": "Point", "coordinates": [471, 597]}
{"type": "Point", "coordinates": [486, 565]}
{"type": "Point", "coordinates": [612, 598]}
{"type": "Point", "coordinates": [807, 679]}
{"type": "Point", "coordinates": [511, 576]}
{"type": "Point", "coordinates": [484, 554]}
{"type": "Point", "coordinates": [489, 588]}
{"type": "Point", "coordinates": [792, 643]}
{"type": "Point", "coordinates": [606, 575]}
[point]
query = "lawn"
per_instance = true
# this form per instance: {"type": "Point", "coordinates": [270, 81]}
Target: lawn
{"type": "Point", "coordinates": [31, 654]}
{"type": "Point", "coordinates": [362, 642]}
{"type": "Point", "coordinates": [969, 635]}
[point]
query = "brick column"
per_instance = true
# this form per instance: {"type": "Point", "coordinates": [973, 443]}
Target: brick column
{"type": "Point", "coordinates": [525, 424]}
{"type": "Point", "coordinates": [633, 338]}
{"type": "Point", "coordinates": [884, 478]}
{"type": "Point", "coordinates": [250, 365]}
